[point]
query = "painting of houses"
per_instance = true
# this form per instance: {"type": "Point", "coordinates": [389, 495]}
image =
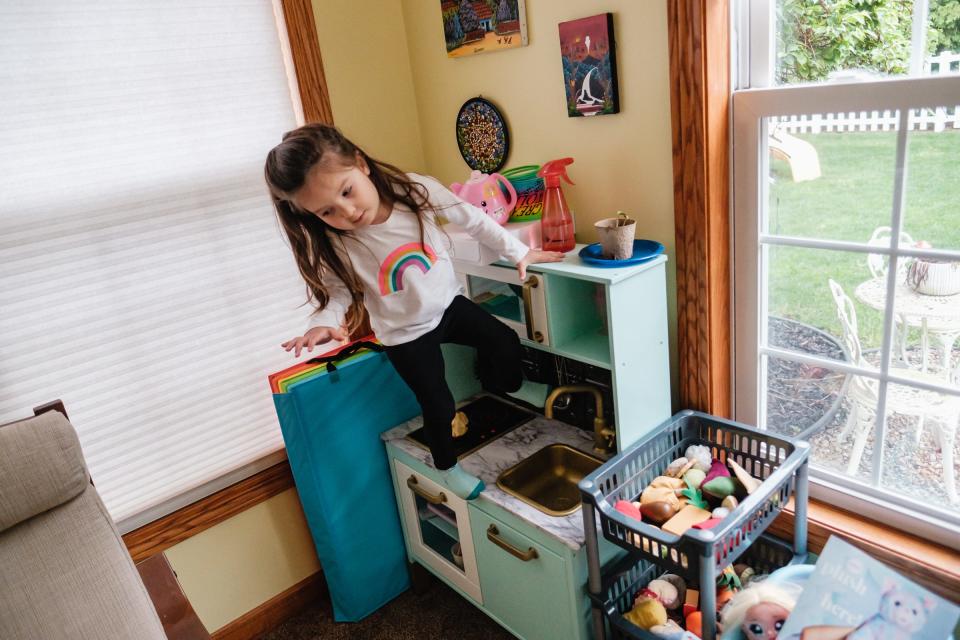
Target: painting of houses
{"type": "Point", "coordinates": [478, 26]}
{"type": "Point", "coordinates": [589, 66]}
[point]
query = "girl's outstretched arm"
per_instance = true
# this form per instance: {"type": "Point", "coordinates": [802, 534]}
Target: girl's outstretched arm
{"type": "Point", "coordinates": [474, 221]}
{"type": "Point", "coordinates": [327, 323]}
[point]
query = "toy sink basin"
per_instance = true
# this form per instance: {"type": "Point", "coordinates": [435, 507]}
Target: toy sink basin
{"type": "Point", "coordinates": [548, 479]}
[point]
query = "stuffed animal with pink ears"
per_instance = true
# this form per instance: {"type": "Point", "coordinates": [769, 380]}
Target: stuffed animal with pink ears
{"type": "Point", "coordinates": [901, 616]}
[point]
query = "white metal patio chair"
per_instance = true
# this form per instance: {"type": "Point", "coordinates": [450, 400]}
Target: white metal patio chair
{"type": "Point", "coordinates": [940, 411]}
{"type": "Point", "coordinates": [944, 331]}
{"type": "Point", "coordinates": [877, 264]}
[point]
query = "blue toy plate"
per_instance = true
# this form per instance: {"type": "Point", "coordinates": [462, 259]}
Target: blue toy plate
{"type": "Point", "coordinates": [643, 250]}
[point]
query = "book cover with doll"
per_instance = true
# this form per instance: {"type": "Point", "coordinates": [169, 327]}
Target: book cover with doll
{"type": "Point", "coordinates": [851, 596]}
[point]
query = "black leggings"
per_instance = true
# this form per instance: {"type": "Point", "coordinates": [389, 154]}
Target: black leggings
{"type": "Point", "coordinates": [420, 364]}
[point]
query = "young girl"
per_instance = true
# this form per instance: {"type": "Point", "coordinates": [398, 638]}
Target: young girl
{"type": "Point", "coordinates": [365, 234]}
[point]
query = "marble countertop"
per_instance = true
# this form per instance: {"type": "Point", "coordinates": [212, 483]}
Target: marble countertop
{"type": "Point", "coordinates": [488, 462]}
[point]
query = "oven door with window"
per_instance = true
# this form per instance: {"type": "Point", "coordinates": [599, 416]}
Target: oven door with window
{"type": "Point", "coordinates": [522, 306]}
{"type": "Point", "coordinates": [438, 530]}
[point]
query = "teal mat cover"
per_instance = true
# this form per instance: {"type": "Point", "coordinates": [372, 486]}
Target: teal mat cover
{"type": "Point", "coordinates": [331, 425]}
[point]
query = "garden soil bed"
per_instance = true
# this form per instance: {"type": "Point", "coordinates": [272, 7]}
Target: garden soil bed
{"type": "Point", "coordinates": [805, 401]}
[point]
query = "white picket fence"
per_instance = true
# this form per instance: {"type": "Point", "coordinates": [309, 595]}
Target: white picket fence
{"type": "Point", "coordinates": [920, 119]}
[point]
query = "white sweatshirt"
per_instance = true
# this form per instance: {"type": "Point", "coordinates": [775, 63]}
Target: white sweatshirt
{"type": "Point", "coordinates": [408, 287]}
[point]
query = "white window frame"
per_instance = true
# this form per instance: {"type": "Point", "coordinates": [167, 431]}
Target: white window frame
{"type": "Point", "coordinates": [750, 110]}
{"type": "Point", "coordinates": [755, 43]}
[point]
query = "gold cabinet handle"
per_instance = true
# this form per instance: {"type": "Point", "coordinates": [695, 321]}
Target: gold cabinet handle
{"type": "Point", "coordinates": [531, 283]}
{"type": "Point", "coordinates": [493, 535]}
{"type": "Point", "coordinates": [423, 493]}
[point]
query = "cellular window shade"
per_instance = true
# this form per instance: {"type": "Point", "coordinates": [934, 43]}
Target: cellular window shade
{"type": "Point", "coordinates": [145, 280]}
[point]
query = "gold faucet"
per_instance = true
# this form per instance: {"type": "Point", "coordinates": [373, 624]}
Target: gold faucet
{"type": "Point", "coordinates": [604, 438]}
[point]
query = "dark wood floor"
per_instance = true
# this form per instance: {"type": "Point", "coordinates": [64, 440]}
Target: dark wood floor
{"type": "Point", "coordinates": [438, 613]}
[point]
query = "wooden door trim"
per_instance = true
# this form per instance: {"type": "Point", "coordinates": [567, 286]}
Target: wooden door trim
{"type": "Point", "coordinates": [699, 38]}
{"type": "Point", "coordinates": [307, 61]}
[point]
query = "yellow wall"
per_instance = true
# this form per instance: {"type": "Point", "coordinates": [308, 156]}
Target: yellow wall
{"type": "Point", "coordinates": [395, 93]}
{"type": "Point", "coordinates": [235, 566]}
{"type": "Point", "coordinates": [368, 74]}
{"type": "Point", "coordinates": [621, 161]}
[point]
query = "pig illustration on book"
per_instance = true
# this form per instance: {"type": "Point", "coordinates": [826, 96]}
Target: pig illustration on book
{"type": "Point", "coordinates": [900, 617]}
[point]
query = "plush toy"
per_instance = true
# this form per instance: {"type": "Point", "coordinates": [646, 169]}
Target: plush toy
{"type": "Point", "coordinates": [628, 509]}
{"type": "Point", "coordinates": [701, 456]}
{"type": "Point", "coordinates": [667, 481]}
{"type": "Point", "coordinates": [678, 467]}
{"type": "Point", "coordinates": [729, 578]}
{"type": "Point", "coordinates": [694, 477]}
{"type": "Point", "coordinates": [718, 482]}
{"type": "Point", "coordinates": [694, 623]}
{"type": "Point", "coordinates": [647, 611]}
{"type": "Point", "coordinates": [749, 483]}
{"type": "Point", "coordinates": [900, 617]}
{"type": "Point", "coordinates": [663, 489]}
{"type": "Point", "coordinates": [679, 584]}
{"type": "Point", "coordinates": [759, 611]}
{"type": "Point", "coordinates": [670, 630]}
{"type": "Point", "coordinates": [724, 595]}
{"type": "Point", "coordinates": [692, 493]}
{"type": "Point", "coordinates": [667, 593]}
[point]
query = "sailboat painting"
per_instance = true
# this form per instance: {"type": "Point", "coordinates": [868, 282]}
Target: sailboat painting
{"type": "Point", "coordinates": [589, 66]}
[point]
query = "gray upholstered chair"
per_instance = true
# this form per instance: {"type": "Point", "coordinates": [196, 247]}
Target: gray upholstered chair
{"type": "Point", "coordinates": [64, 570]}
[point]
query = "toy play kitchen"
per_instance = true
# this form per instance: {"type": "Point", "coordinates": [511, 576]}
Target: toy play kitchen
{"type": "Point", "coordinates": [598, 337]}
{"type": "Point", "coordinates": [527, 551]}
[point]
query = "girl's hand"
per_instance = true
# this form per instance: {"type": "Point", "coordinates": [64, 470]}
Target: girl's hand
{"type": "Point", "coordinates": [313, 337]}
{"type": "Point", "coordinates": [535, 255]}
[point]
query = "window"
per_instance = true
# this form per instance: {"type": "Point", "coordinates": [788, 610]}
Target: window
{"type": "Point", "coordinates": [846, 157]}
{"type": "Point", "coordinates": [145, 281]}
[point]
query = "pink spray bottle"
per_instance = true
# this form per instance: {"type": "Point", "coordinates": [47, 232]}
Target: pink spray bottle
{"type": "Point", "coordinates": [556, 225]}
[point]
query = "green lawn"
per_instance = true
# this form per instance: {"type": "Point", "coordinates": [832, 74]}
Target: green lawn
{"type": "Point", "coordinates": [853, 196]}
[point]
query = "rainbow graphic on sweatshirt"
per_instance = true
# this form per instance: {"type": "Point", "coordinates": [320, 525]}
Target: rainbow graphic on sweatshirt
{"type": "Point", "coordinates": [413, 255]}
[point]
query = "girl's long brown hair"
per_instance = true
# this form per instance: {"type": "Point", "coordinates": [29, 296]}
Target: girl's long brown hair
{"type": "Point", "coordinates": [310, 238]}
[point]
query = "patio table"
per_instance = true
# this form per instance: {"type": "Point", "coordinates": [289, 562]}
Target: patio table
{"type": "Point", "coordinates": [936, 316]}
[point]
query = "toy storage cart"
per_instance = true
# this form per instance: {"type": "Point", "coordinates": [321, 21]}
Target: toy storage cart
{"type": "Point", "coordinates": [701, 555]}
{"type": "Point", "coordinates": [621, 583]}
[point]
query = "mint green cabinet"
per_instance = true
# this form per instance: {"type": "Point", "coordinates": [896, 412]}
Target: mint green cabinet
{"type": "Point", "coordinates": [524, 584]}
{"type": "Point", "coordinates": [543, 598]}
{"type": "Point", "coordinates": [615, 319]}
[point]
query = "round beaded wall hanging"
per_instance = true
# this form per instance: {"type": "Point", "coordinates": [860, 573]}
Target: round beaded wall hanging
{"type": "Point", "coordinates": [482, 135]}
